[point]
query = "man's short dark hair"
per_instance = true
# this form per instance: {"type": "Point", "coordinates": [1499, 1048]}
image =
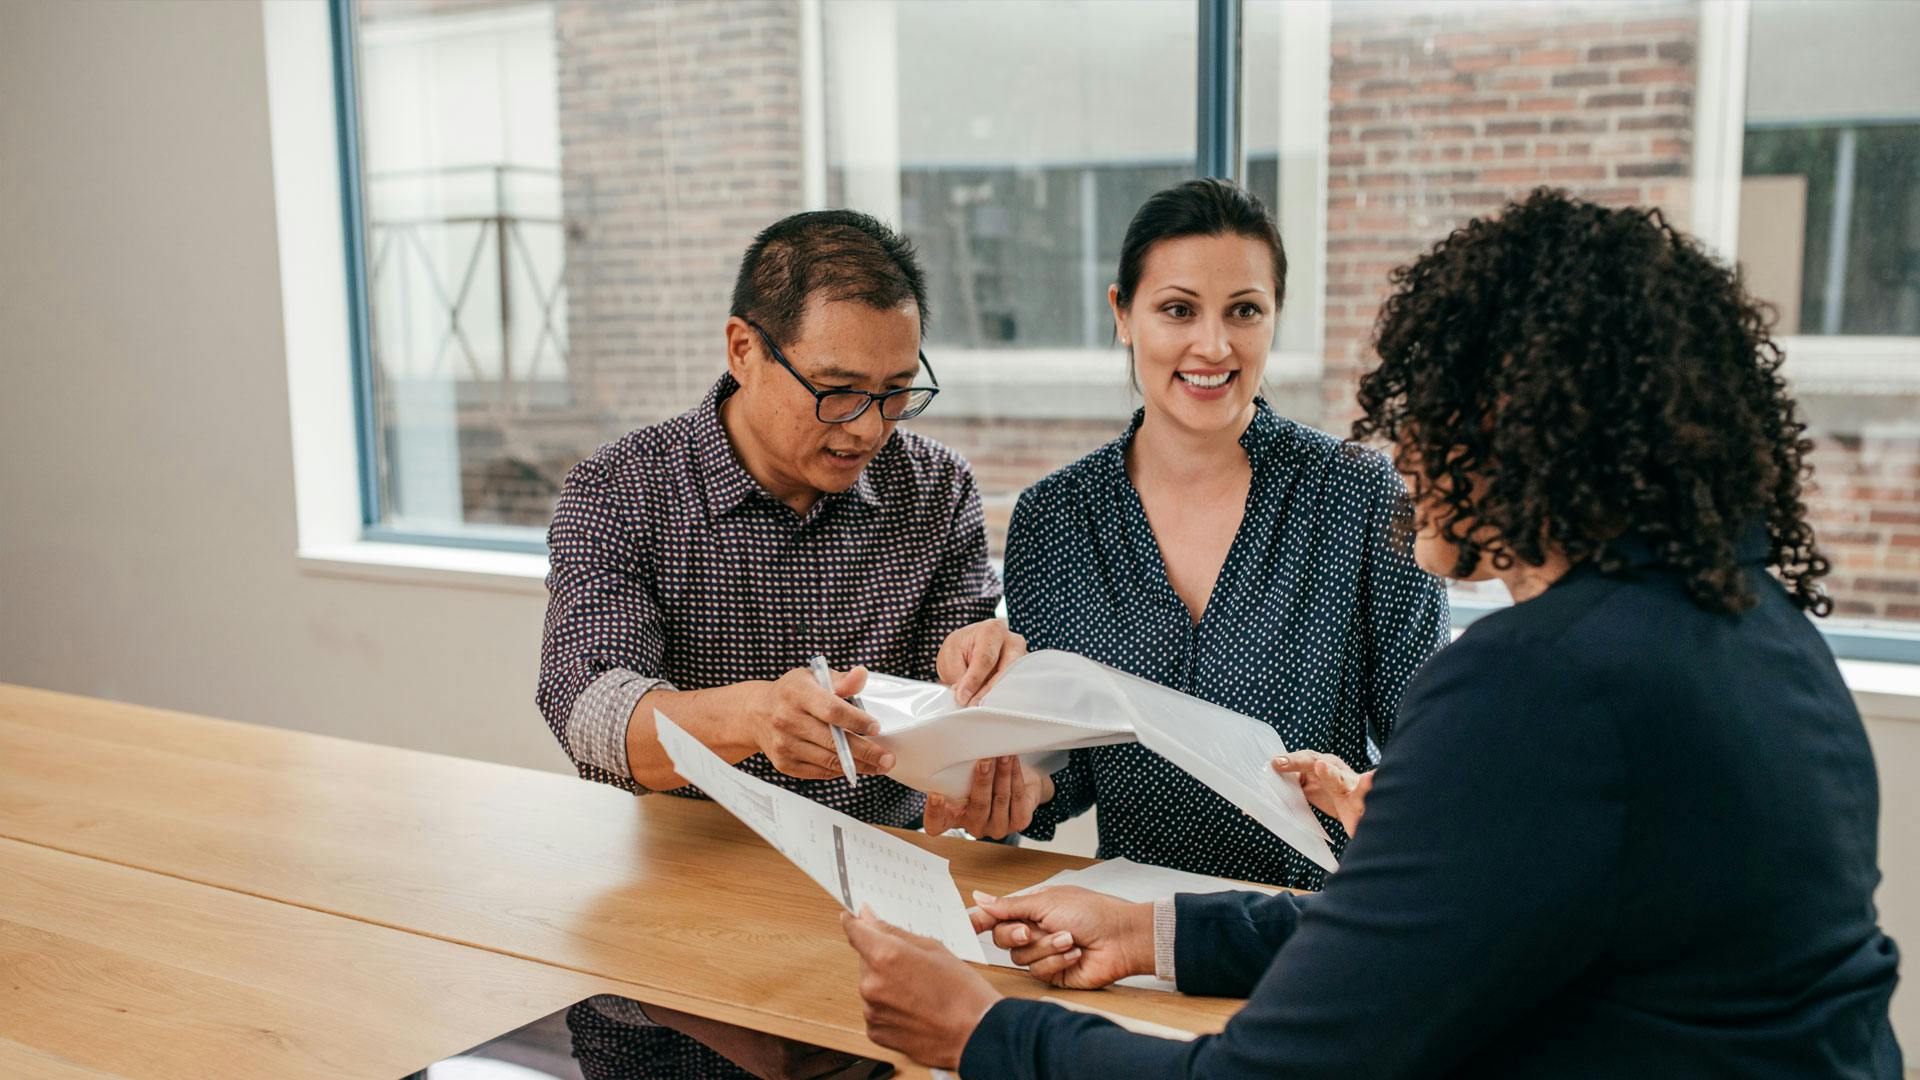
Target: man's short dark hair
{"type": "Point", "coordinates": [839, 254]}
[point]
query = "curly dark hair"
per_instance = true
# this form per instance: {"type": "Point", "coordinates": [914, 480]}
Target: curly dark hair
{"type": "Point", "coordinates": [1600, 374]}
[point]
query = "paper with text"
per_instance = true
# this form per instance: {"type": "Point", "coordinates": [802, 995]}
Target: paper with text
{"type": "Point", "coordinates": [855, 862]}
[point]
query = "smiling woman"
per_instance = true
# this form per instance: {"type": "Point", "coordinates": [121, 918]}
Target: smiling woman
{"type": "Point", "coordinates": [1218, 548]}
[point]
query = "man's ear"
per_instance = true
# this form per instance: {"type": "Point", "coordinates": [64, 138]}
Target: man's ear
{"type": "Point", "coordinates": [743, 347]}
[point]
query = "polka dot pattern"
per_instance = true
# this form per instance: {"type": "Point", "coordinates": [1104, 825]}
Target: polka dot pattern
{"type": "Point", "coordinates": [1315, 626]}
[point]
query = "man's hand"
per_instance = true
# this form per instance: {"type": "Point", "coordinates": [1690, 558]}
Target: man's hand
{"type": "Point", "coordinates": [920, 1000]}
{"type": "Point", "coordinates": [791, 725]}
{"type": "Point", "coordinates": [1005, 791]}
{"type": "Point", "coordinates": [973, 658]}
{"type": "Point", "coordinates": [1070, 937]}
{"type": "Point", "coordinates": [1330, 785]}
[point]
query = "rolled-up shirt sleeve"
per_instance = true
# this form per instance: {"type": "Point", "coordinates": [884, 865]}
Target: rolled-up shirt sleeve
{"type": "Point", "coordinates": [603, 642]}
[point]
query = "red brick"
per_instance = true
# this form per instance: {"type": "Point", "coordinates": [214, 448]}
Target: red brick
{"type": "Point", "coordinates": [1606, 54]}
{"type": "Point", "coordinates": [1585, 77]}
{"type": "Point", "coordinates": [1513, 175]}
{"type": "Point", "coordinates": [1547, 58]}
{"type": "Point", "coordinates": [1517, 83]}
{"type": "Point", "coordinates": [1676, 52]}
{"type": "Point", "coordinates": [1564, 124]}
{"type": "Point", "coordinates": [1657, 122]}
{"type": "Point", "coordinates": [1477, 62]}
{"type": "Point", "coordinates": [1655, 75]}
{"type": "Point", "coordinates": [1514, 127]}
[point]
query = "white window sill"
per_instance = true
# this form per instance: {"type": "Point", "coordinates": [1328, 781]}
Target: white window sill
{"type": "Point", "coordinates": [425, 564]}
{"type": "Point", "coordinates": [1885, 691]}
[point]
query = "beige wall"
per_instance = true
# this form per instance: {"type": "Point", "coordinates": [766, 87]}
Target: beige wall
{"type": "Point", "coordinates": [146, 506]}
{"type": "Point", "coordinates": [146, 502]}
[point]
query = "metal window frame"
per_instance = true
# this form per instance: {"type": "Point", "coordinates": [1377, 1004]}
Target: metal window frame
{"type": "Point", "coordinates": [346, 93]}
{"type": "Point", "coordinates": [1219, 152]}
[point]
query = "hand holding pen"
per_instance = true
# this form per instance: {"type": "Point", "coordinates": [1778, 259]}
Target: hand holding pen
{"type": "Point", "coordinates": [793, 722]}
{"type": "Point", "coordinates": [824, 674]}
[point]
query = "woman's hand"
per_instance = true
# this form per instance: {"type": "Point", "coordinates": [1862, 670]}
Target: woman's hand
{"type": "Point", "coordinates": [1333, 788]}
{"type": "Point", "coordinates": [1005, 791]}
{"type": "Point", "coordinates": [1070, 937]}
{"type": "Point", "coordinates": [920, 1000]}
{"type": "Point", "coordinates": [974, 657]}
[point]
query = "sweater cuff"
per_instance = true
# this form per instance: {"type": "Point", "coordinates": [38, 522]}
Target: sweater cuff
{"type": "Point", "coordinates": [1164, 921]}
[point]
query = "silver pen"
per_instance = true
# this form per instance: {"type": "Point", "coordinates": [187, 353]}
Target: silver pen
{"type": "Point", "coordinates": [825, 676]}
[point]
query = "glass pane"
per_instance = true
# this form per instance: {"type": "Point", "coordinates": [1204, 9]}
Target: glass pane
{"type": "Point", "coordinates": [1830, 234]}
{"type": "Point", "coordinates": [466, 255]}
{"type": "Point", "coordinates": [1438, 112]}
{"type": "Point", "coordinates": [1285, 62]}
{"type": "Point", "coordinates": [1012, 141]}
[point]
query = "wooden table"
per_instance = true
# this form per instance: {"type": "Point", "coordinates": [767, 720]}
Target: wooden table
{"type": "Point", "coordinates": [177, 891]}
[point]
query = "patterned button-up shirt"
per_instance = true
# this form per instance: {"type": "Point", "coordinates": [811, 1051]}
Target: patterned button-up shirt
{"type": "Point", "coordinates": [673, 568]}
{"type": "Point", "coordinates": [1316, 622]}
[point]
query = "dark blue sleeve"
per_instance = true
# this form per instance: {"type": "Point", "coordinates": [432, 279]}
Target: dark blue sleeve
{"type": "Point", "coordinates": [1223, 943]}
{"type": "Point", "coordinates": [1484, 877]}
{"type": "Point", "coordinates": [1032, 564]}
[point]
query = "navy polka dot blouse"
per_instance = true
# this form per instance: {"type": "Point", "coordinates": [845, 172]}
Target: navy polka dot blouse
{"type": "Point", "coordinates": [1315, 625]}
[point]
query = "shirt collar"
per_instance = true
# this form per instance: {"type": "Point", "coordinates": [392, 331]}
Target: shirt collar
{"type": "Point", "coordinates": [728, 485]}
{"type": "Point", "coordinates": [1265, 433]}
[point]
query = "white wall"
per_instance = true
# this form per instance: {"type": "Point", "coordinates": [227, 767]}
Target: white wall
{"type": "Point", "coordinates": [147, 530]}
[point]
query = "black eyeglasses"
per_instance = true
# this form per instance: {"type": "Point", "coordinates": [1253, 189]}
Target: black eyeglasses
{"type": "Point", "coordinates": [842, 406]}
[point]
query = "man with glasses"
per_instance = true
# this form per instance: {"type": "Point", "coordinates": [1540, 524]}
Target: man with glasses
{"type": "Point", "coordinates": [699, 564]}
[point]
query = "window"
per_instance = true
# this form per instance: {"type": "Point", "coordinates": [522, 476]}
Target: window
{"type": "Point", "coordinates": [1009, 141]}
{"type": "Point", "coordinates": [555, 195]}
{"type": "Point", "coordinates": [1830, 234]}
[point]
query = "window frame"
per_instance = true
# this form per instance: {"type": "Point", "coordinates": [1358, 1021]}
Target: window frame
{"type": "Point", "coordinates": [1220, 148]}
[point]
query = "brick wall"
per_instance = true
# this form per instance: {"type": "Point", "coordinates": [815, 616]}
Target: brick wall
{"type": "Point", "coordinates": [1865, 503]}
{"type": "Point", "coordinates": [680, 139]}
{"type": "Point", "coordinates": [1438, 114]}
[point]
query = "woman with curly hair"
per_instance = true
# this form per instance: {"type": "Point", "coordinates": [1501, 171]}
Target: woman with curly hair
{"type": "Point", "coordinates": [1627, 825]}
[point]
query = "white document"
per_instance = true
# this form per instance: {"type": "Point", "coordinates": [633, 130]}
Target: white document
{"type": "Point", "coordinates": [1233, 755]}
{"type": "Point", "coordinates": [1138, 883]}
{"type": "Point", "coordinates": [855, 862]}
{"type": "Point", "coordinates": [1047, 703]}
{"type": "Point", "coordinates": [1050, 702]}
